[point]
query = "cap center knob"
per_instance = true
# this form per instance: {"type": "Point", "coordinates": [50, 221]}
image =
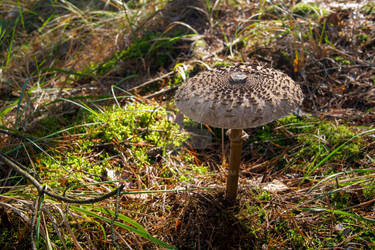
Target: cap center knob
{"type": "Point", "coordinates": [237, 77]}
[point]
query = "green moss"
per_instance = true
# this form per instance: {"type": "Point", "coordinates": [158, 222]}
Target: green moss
{"type": "Point", "coordinates": [14, 233]}
{"type": "Point", "coordinates": [363, 37]}
{"type": "Point", "coordinates": [368, 9]}
{"type": "Point", "coordinates": [272, 10]}
{"type": "Point", "coordinates": [135, 131]}
{"type": "Point", "coordinates": [222, 63]}
{"type": "Point", "coordinates": [341, 60]}
{"type": "Point", "coordinates": [369, 192]}
{"type": "Point", "coordinates": [264, 196]}
{"type": "Point", "coordinates": [296, 237]}
{"type": "Point", "coordinates": [327, 142]}
{"type": "Point", "coordinates": [308, 10]}
{"type": "Point", "coordinates": [137, 123]}
{"type": "Point", "coordinates": [340, 200]}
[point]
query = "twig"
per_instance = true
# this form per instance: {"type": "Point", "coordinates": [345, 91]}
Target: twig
{"type": "Point", "coordinates": [17, 211]}
{"type": "Point", "coordinates": [359, 205]}
{"type": "Point", "coordinates": [161, 92]}
{"type": "Point", "coordinates": [2, 131]}
{"type": "Point", "coordinates": [151, 81]}
{"type": "Point", "coordinates": [40, 187]}
{"type": "Point", "coordinates": [54, 224]}
{"type": "Point", "coordinates": [83, 231]}
{"type": "Point", "coordinates": [4, 184]}
{"type": "Point", "coordinates": [50, 245]}
{"type": "Point", "coordinates": [74, 238]}
{"type": "Point", "coordinates": [343, 67]}
{"type": "Point", "coordinates": [122, 238]}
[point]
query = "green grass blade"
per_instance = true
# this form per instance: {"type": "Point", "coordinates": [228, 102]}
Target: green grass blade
{"type": "Point", "coordinates": [45, 152]}
{"type": "Point", "coordinates": [2, 32]}
{"type": "Point", "coordinates": [46, 22]}
{"type": "Point", "coordinates": [102, 228]}
{"type": "Point", "coordinates": [122, 217]}
{"type": "Point", "coordinates": [11, 42]}
{"type": "Point", "coordinates": [37, 238]}
{"type": "Point", "coordinates": [49, 245]}
{"type": "Point", "coordinates": [311, 167]}
{"type": "Point", "coordinates": [35, 140]}
{"type": "Point", "coordinates": [20, 12]}
{"type": "Point", "coordinates": [340, 212]}
{"type": "Point", "coordinates": [325, 159]}
{"type": "Point", "coordinates": [7, 109]}
{"type": "Point", "coordinates": [68, 72]}
{"type": "Point", "coordinates": [82, 105]}
{"type": "Point", "coordinates": [22, 94]}
{"type": "Point", "coordinates": [368, 170]}
{"type": "Point", "coordinates": [133, 229]}
{"type": "Point", "coordinates": [128, 93]}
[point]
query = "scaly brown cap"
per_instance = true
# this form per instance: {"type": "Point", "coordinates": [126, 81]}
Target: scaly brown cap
{"type": "Point", "coordinates": [238, 96]}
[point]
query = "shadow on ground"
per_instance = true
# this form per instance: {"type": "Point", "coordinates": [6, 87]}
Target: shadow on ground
{"type": "Point", "coordinates": [206, 221]}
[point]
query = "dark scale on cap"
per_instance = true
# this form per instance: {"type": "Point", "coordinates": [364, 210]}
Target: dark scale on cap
{"type": "Point", "coordinates": [238, 96]}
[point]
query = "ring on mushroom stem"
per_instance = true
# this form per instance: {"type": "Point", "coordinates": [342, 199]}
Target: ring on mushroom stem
{"type": "Point", "coordinates": [236, 98]}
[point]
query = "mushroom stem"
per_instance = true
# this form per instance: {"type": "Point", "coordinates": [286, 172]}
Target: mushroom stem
{"type": "Point", "coordinates": [234, 164]}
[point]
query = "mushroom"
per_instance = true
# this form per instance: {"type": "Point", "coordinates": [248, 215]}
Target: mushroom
{"type": "Point", "coordinates": [235, 98]}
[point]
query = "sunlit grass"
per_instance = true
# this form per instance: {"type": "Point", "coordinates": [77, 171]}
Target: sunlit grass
{"type": "Point", "coordinates": [82, 143]}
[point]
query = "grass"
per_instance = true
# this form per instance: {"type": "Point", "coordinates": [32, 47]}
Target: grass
{"type": "Point", "coordinates": [71, 117]}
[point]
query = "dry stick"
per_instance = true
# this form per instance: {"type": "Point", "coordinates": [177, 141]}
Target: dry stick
{"type": "Point", "coordinates": [81, 230]}
{"type": "Point", "coordinates": [74, 238]}
{"type": "Point", "coordinates": [54, 224]}
{"type": "Point", "coordinates": [343, 67]}
{"type": "Point", "coordinates": [359, 205]}
{"type": "Point", "coordinates": [4, 184]}
{"type": "Point", "coordinates": [151, 81]}
{"type": "Point", "coordinates": [8, 132]}
{"type": "Point", "coordinates": [122, 238]}
{"type": "Point", "coordinates": [19, 212]}
{"type": "Point", "coordinates": [161, 92]}
{"type": "Point", "coordinates": [50, 245]}
{"type": "Point", "coordinates": [39, 187]}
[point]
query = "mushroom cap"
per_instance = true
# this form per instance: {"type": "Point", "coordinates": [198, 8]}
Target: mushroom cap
{"type": "Point", "coordinates": [238, 96]}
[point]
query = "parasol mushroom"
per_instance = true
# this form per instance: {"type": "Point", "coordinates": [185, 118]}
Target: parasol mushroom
{"type": "Point", "coordinates": [235, 98]}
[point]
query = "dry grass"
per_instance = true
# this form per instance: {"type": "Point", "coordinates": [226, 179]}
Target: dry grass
{"type": "Point", "coordinates": [67, 65]}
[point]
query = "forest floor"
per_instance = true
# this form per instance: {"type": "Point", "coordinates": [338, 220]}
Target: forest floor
{"type": "Point", "coordinates": [94, 153]}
